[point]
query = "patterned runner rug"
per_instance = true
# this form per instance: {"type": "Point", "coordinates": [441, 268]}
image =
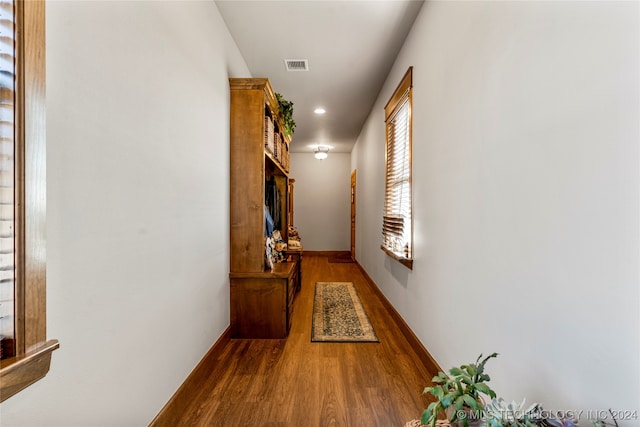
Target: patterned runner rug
{"type": "Point", "coordinates": [338, 315]}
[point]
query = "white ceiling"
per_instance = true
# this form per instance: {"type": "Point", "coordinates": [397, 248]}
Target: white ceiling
{"type": "Point", "coordinates": [350, 45]}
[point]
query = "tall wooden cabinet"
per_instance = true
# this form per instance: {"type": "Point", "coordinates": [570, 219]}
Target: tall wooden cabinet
{"type": "Point", "coordinates": [261, 298]}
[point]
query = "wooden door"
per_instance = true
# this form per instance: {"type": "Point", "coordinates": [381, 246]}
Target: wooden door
{"type": "Point", "coordinates": [353, 215]}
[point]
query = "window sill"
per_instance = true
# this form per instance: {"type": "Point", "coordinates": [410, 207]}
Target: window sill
{"type": "Point", "coordinates": [407, 262]}
{"type": "Point", "coordinates": [19, 372]}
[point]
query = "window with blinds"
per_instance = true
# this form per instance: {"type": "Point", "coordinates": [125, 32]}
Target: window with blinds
{"type": "Point", "coordinates": [7, 181]}
{"type": "Point", "coordinates": [397, 219]}
{"type": "Point", "coordinates": [26, 351]}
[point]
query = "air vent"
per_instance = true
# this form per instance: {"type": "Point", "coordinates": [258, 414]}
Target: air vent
{"type": "Point", "coordinates": [296, 64]}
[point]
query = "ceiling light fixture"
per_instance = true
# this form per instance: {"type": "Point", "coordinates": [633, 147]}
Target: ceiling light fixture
{"type": "Point", "coordinates": [321, 152]}
{"type": "Point", "coordinates": [319, 110]}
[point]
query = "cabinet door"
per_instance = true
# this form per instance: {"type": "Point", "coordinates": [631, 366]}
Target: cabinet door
{"type": "Point", "coordinates": [259, 308]}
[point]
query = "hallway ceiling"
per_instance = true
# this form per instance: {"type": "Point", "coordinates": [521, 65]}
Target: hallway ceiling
{"type": "Point", "coordinates": [350, 46]}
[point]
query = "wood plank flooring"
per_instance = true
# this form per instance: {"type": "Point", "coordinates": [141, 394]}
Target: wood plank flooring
{"type": "Point", "coordinates": [295, 382]}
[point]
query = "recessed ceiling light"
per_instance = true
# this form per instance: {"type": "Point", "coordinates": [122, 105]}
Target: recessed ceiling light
{"type": "Point", "coordinates": [319, 111]}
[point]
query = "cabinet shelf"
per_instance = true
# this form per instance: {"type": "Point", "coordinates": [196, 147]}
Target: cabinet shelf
{"type": "Point", "coordinates": [276, 163]}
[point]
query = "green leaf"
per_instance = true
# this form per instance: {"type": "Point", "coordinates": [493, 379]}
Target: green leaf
{"type": "Point", "coordinates": [438, 392]}
{"type": "Point", "coordinates": [448, 399]}
{"type": "Point", "coordinates": [471, 402]}
{"type": "Point", "coordinates": [426, 390]}
{"type": "Point", "coordinates": [455, 371]}
{"type": "Point", "coordinates": [483, 388]}
{"type": "Point", "coordinates": [286, 110]}
{"type": "Point", "coordinates": [428, 418]}
{"type": "Point", "coordinates": [488, 357]}
{"type": "Point", "coordinates": [431, 409]}
{"type": "Point", "coordinates": [440, 378]}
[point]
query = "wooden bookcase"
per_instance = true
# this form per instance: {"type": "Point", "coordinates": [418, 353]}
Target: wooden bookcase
{"type": "Point", "coordinates": [261, 298]}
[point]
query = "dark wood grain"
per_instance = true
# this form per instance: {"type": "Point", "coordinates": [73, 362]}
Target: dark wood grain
{"type": "Point", "coordinates": [247, 176]}
{"type": "Point", "coordinates": [295, 382]}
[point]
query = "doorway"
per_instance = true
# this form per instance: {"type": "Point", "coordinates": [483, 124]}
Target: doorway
{"type": "Point", "coordinates": [353, 215]}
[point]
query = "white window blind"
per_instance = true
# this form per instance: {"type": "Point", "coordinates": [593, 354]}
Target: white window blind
{"type": "Point", "coordinates": [396, 224]}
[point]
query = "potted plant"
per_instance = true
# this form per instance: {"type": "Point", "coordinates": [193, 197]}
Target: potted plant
{"type": "Point", "coordinates": [286, 109]}
{"type": "Point", "coordinates": [459, 394]}
{"type": "Point", "coordinates": [499, 413]}
{"type": "Point", "coordinates": [599, 422]}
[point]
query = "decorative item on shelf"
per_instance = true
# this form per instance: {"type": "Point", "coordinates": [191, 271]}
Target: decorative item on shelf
{"type": "Point", "coordinates": [321, 152]}
{"type": "Point", "coordinates": [275, 249]}
{"type": "Point", "coordinates": [294, 238]}
{"type": "Point", "coordinates": [268, 253]}
{"type": "Point", "coordinates": [278, 248]}
{"type": "Point", "coordinates": [286, 109]}
{"type": "Point", "coordinates": [293, 233]}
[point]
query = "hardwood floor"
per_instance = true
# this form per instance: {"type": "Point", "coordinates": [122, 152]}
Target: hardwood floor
{"type": "Point", "coordinates": [296, 382]}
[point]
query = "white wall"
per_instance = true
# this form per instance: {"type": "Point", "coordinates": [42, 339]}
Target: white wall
{"type": "Point", "coordinates": [137, 134]}
{"type": "Point", "coordinates": [322, 210]}
{"type": "Point", "coordinates": [526, 196]}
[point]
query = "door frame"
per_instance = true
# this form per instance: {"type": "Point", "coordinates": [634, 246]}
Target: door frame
{"type": "Point", "coordinates": [353, 215]}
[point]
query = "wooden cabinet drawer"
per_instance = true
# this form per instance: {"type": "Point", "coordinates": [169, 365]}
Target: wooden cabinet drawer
{"type": "Point", "coordinates": [262, 303]}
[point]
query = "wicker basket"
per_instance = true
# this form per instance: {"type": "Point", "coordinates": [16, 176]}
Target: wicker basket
{"type": "Point", "coordinates": [416, 423]}
{"type": "Point", "coordinates": [285, 156]}
{"type": "Point", "coordinates": [277, 149]}
{"type": "Point", "coordinates": [269, 141]}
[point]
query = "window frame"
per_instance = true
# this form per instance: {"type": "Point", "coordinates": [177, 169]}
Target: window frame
{"type": "Point", "coordinates": [402, 94]}
{"type": "Point", "coordinates": [32, 349]}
